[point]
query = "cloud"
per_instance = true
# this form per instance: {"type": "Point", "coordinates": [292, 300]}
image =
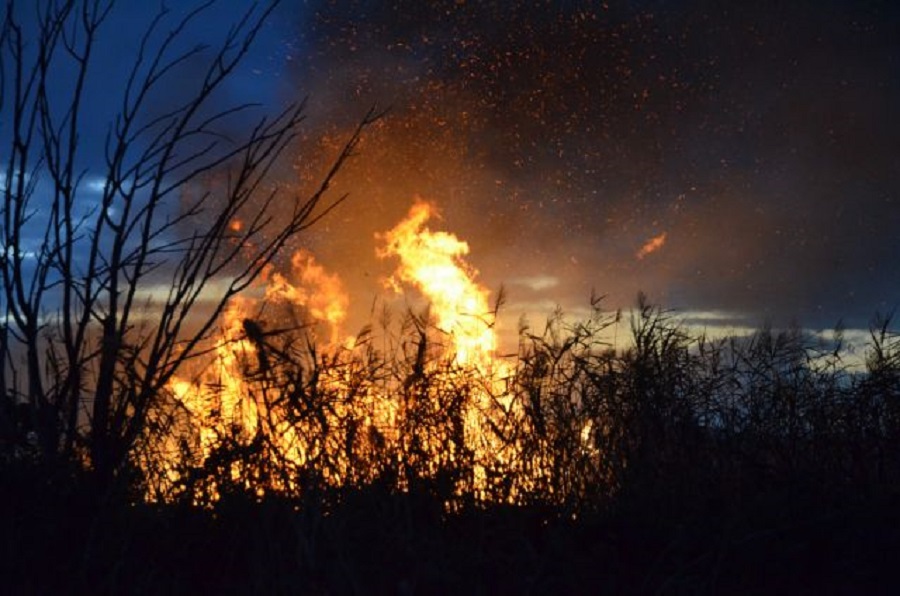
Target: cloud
{"type": "Point", "coordinates": [536, 283]}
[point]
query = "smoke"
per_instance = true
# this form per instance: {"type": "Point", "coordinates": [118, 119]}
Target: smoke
{"type": "Point", "coordinates": [556, 138]}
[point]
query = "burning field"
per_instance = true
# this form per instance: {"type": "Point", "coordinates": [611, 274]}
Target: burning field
{"type": "Point", "coordinates": [285, 397]}
{"type": "Point", "coordinates": [259, 341]}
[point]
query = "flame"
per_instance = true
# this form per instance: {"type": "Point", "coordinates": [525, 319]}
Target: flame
{"type": "Point", "coordinates": [241, 392]}
{"type": "Point", "coordinates": [652, 245]}
{"type": "Point", "coordinates": [222, 403]}
{"type": "Point", "coordinates": [320, 292]}
{"type": "Point", "coordinates": [432, 262]}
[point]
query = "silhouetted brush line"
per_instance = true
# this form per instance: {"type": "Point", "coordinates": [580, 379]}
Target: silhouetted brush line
{"type": "Point", "coordinates": [583, 426]}
{"type": "Point", "coordinates": [671, 456]}
{"type": "Point", "coordinates": [576, 426]}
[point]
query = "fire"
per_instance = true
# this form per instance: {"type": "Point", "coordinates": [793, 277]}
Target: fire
{"type": "Point", "coordinates": [651, 246]}
{"type": "Point", "coordinates": [432, 262]}
{"type": "Point", "coordinates": [320, 292]}
{"type": "Point", "coordinates": [216, 413]}
{"type": "Point", "coordinates": [330, 403]}
{"type": "Point", "coordinates": [224, 401]}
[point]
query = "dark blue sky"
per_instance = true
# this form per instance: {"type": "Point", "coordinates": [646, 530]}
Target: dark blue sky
{"type": "Point", "coordinates": [557, 139]}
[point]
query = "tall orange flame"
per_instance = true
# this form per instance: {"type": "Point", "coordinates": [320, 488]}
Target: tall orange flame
{"type": "Point", "coordinates": [432, 262]}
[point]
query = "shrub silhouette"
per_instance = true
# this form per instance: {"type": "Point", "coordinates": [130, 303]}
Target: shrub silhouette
{"type": "Point", "coordinates": [574, 425]}
{"type": "Point", "coordinates": [695, 460]}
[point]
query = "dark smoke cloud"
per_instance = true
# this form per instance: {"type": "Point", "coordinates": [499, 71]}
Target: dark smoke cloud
{"type": "Point", "coordinates": [558, 137]}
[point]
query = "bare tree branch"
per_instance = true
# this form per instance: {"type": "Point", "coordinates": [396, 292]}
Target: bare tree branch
{"type": "Point", "coordinates": [94, 366]}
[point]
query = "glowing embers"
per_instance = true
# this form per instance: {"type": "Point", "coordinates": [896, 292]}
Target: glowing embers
{"type": "Point", "coordinates": [651, 246]}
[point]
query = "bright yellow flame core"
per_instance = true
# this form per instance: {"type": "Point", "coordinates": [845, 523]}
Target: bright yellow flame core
{"type": "Point", "coordinates": [432, 262]}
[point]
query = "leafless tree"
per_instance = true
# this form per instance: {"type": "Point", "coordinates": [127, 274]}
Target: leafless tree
{"type": "Point", "coordinates": [85, 346]}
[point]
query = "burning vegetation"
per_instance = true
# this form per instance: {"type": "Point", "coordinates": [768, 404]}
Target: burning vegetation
{"type": "Point", "coordinates": [171, 362]}
{"type": "Point", "coordinates": [285, 402]}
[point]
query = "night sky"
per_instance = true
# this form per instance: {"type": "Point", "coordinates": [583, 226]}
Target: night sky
{"type": "Point", "coordinates": [558, 138]}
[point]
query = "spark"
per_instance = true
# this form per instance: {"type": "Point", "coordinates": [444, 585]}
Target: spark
{"type": "Point", "coordinates": [651, 246]}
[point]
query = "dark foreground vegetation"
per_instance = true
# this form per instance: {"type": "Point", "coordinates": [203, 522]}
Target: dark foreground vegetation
{"type": "Point", "coordinates": [746, 465]}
